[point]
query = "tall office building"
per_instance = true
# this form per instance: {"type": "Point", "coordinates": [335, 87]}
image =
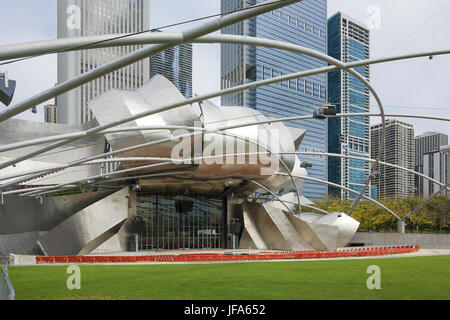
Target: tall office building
{"type": "Point", "coordinates": [348, 41]}
{"type": "Point", "coordinates": [78, 18]}
{"type": "Point", "coordinates": [302, 24]}
{"type": "Point", "coordinates": [445, 166]}
{"type": "Point", "coordinates": [436, 165]}
{"type": "Point", "coordinates": [50, 113]}
{"type": "Point", "coordinates": [176, 65]}
{"type": "Point", "coordinates": [427, 143]}
{"type": "Point", "coordinates": [398, 150]}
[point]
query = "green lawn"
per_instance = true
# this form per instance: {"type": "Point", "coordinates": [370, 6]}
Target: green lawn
{"type": "Point", "coordinates": [401, 278]}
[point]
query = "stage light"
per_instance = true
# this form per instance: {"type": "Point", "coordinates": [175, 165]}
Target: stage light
{"type": "Point", "coordinates": [7, 88]}
{"type": "Point", "coordinates": [324, 111]}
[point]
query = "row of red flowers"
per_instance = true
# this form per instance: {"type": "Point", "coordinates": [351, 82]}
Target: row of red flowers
{"type": "Point", "coordinates": [219, 257]}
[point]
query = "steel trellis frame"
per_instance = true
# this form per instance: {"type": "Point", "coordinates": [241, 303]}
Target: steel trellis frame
{"type": "Point", "coordinates": [313, 53]}
{"type": "Point", "coordinates": [385, 60]}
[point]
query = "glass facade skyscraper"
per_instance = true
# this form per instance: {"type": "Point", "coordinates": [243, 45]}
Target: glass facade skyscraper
{"type": "Point", "coordinates": [176, 65]}
{"type": "Point", "coordinates": [303, 24]}
{"type": "Point", "coordinates": [348, 41]}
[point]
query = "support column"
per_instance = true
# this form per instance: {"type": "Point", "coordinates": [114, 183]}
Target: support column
{"type": "Point", "coordinates": [401, 226]}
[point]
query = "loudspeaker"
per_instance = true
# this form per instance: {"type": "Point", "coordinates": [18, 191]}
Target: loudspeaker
{"type": "Point", "coordinates": [7, 94]}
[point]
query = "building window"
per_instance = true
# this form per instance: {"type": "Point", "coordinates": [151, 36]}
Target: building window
{"type": "Point", "coordinates": [179, 222]}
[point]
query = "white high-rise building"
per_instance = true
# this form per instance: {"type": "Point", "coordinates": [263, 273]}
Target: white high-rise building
{"type": "Point", "coordinates": [429, 143]}
{"type": "Point", "coordinates": [436, 165]}
{"type": "Point", "coordinates": [78, 18]}
{"type": "Point", "coordinates": [51, 113]}
{"type": "Point", "coordinates": [398, 150]}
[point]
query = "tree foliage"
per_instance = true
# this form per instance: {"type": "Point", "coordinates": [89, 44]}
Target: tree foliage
{"type": "Point", "coordinates": [433, 217]}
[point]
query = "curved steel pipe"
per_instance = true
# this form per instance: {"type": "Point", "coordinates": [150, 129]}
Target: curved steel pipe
{"type": "Point", "coordinates": [201, 131]}
{"type": "Point", "coordinates": [434, 195]}
{"type": "Point", "coordinates": [270, 43]}
{"type": "Point", "coordinates": [242, 40]}
{"type": "Point", "coordinates": [355, 64]}
{"type": "Point", "coordinates": [37, 173]}
{"type": "Point", "coordinates": [372, 160]}
{"type": "Point", "coordinates": [186, 36]}
{"type": "Point", "coordinates": [274, 195]}
{"type": "Point", "coordinates": [347, 189]}
{"type": "Point", "coordinates": [29, 49]}
{"type": "Point", "coordinates": [33, 142]}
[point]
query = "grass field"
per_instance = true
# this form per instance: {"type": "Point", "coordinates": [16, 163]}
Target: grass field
{"type": "Point", "coordinates": [401, 278]}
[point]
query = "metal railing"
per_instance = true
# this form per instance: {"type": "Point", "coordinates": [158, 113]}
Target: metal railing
{"type": "Point", "coordinates": [4, 259]}
{"type": "Point", "coordinates": [6, 288]}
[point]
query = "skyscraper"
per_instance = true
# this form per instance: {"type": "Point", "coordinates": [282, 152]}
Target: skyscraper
{"type": "Point", "coordinates": [445, 166]}
{"type": "Point", "coordinates": [427, 143]}
{"type": "Point", "coordinates": [398, 150]}
{"type": "Point", "coordinates": [302, 24]}
{"type": "Point", "coordinates": [78, 18]}
{"type": "Point", "coordinates": [50, 113]}
{"type": "Point", "coordinates": [348, 41]}
{"type": "Point", "coordinates": [176, 65]}
{"type": "Point", "coordinates": [436, 165]}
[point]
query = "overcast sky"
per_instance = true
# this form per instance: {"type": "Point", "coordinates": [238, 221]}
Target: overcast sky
{"type": "Point", "coordinates": [419, 86]}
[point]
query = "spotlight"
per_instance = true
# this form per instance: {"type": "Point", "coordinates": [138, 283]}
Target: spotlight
{"type": "Point", "coordinates": [306, 164]}
{"type": "Point", "coordinates": [324, 111]}
{"type": "Point", "coordinates": [7, 88]}
{"type": "Point", "coordinates": [374, 175]}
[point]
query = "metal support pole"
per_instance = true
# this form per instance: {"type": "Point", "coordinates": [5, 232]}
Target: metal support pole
{"type": "Point", "coordinates": [401, 226]}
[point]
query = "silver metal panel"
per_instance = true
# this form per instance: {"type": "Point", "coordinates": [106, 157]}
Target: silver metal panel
{"type": "Point", "coordinates": [325, 232]}
{"type": "Point", "coordinates": [20, 243]}
{"type": "Point", "coordinates": [117, 104]}
{"type": "Point", "coordinates": [275, 228]}
{"type": "Point", "coordinates": [251, 238]}
{"type": "Point", "coordinates": [23, 214]}
{"type": "Point", "coordinates": [89, 228]}
{"type": "Point", "coordinates": [14, 130]}
{"type": "Point", "coordinates": [210, 175]}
